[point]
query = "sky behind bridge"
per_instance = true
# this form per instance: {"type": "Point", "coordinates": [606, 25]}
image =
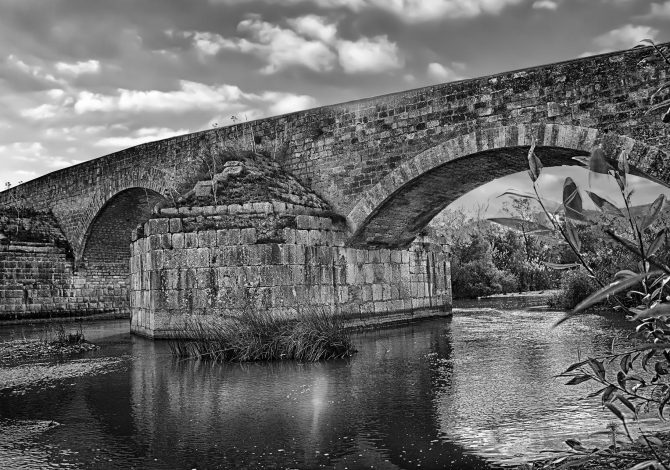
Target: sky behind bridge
{"type": "Point", "coordinates": [83, 78]}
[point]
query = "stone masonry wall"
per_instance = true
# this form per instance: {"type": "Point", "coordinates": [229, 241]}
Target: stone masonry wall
{"type": "Point", "coordinates": [343, 150]}
{"type": "Point", "coordinates": [38, 280]}
{"type": "Point", "coordinates": [209, 272]}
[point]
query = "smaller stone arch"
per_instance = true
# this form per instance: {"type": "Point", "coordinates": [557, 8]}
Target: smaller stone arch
{"type": "Point", "coordinates": [104, 258]}
{"type": "Point", "coordinates": [397, 208]}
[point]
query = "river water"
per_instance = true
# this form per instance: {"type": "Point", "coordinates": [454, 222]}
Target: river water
{"type": "Point", "coordinates": [473, 391]}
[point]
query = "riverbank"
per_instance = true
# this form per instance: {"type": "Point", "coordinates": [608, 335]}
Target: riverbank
{"type": "Point", "coordinates": [15, 351]}
{"type": "Point", "coordinates": [624, 458]}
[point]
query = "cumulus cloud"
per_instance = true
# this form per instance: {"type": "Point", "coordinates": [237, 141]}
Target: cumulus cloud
{"type": "Point", "coordinates": [43, 111]}
{"type": "Point", "coordinates": [369, 55]}
{"type": "Point", "coordinates": [280, 47]}
{"type": "Point", "coordinates": [310, 41]}
{"type": "Point", "coordinates": [315, 27]}
{"type": "Point", "coordinates": [78, 68]}
{"type": "Point", "coordinates": [283, 103]}
{"type": "Point", "coordinates": [441, 73]}
{"type": "Point", "coordinates": [625, 37]}
{"type": "Point", "coordinates": [545, 5]}
{"type": "Point", "coordinates": [192, 96]}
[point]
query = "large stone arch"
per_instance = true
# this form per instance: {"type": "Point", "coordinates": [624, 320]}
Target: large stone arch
{"type": "Point", "coordinates": [394, 211]}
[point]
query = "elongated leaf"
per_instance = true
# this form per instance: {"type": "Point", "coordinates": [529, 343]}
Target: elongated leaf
{"type": "Point", "coordinates": [660, 310]}
{"type": "Point", "coordinates": [657, 243]}
{"type": "Point", "coordinates": [646, 465]}
{"type": "Point", "coordinates": [659, 90]}
{"type": "Point", "coordinates": [617, 412]}
{"type": "Point", "coordinates": [534, 163]}
{"type": "Point", "coordinates": [621, 379]}
{"type": "Point", "coordinates": [655, 440]}
{"type": "Point", "coordinates": [597, 162]}
{"type": "Point", "coordinates": [626, 364]}
{"type": "Point", "coordinates": [646, 358]}
{"type": "Point", "coordinates": [656, 107]}
{"type": "Point", "coordinates": [575, 444]}
{"type": "Point", "coordinates": [604, 205]}
{"type": "Point", "coordinates": [622, 164]}
{"type": "Point", "coordinates": [512, 192]}
{"type": "Point", "coordinates": [596, 393]}
{"type": "Point", "coordinates": [608, 393]}
{"type": "Point", "coordinates": [653, 212]}
{"type": "Point", "coordinates": [627, 403]}
{"type": "Point", "coordinates": [662, 406]}
{"type": "Point", "coordinates": [629, 245]}
{"type": "Point", "coordinates": [606, 291]}
{"type": "Point", "coordinates": [572, 200]}
{"type": "Point", "coordinates": [597, 367]}
{"type": "Point", "coordinates": [572, 367]}
{"type": "Point", "coordinates": [573, 236]}
{"type": "Point", "coordinates": [578, 380]}
{"type": "Point", "coordinates": [520, 224]}
{"type": "Point", "coordinates": [624, 274]}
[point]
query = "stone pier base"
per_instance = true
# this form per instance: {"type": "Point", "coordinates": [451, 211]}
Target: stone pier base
{"type": "Point", "coordinates": [218, 272]}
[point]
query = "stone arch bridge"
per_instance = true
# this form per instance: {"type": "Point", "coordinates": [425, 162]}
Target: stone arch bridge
{"type": "Point", "coordinates": [387, 164]}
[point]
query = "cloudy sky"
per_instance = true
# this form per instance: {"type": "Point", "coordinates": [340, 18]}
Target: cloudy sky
{"type": "Point", "coordinates": [83, 78]}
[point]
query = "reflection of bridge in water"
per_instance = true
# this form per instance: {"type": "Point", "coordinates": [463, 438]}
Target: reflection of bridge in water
{"type": "Point", "coordinates": [387, 165]}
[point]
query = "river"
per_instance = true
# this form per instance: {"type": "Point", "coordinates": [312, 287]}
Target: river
{"type": "Point", "coordinates": [474, 391]}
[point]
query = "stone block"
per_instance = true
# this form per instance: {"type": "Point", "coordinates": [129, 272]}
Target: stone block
{"type": "Point", "coordinates": [248, 236]}
{"type": "Point", "coordinates": [191, 240]}
{"type": "Point", "coordinates": [175, 225]}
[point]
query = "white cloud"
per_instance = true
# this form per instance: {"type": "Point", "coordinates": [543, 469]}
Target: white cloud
{"type": "Point", "coordinates": [220, 100]}
{"type": "Point", "coordinates": [440, 73]}
{"type": "Point", "coordinates": [44, 111]}
{"type": "Point", "coordinates": [78, 68]}
{"type": "Point", "coordinates": [545, 5]}
{"type": "Point", "coordinates": [314, 27]}
{"type": "Point", "coordinates": [369, 55]}
{"type": "Point", "coordinates": [36, 71]}
{"type": "Point", "coordinates": [311, 42]}
{"type": "Point", "coordinates": [625, 37]}
{"type": "Point", "coordinates": [621, 38]}
{"type": "Point", "coordinates": [190, 96]}
{"type": "Point", "coordinates": [280, 47]}
{"type": "Point", "coordinates": [283, 103]}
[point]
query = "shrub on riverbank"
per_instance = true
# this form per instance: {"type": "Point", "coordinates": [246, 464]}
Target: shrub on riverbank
{"type": "Point", "coordinates": [576, 285]}
{"type": "Point", "coordinates": [258, 335]}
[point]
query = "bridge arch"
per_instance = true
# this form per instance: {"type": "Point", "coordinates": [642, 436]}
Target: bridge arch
{"type": "Point", "coordinates": [106, 243]}
{"type": "Point", "coordinates": [394, 211]}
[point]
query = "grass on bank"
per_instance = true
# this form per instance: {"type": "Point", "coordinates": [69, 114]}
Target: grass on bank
{"type": "Point", "coordinates": [258, 335]}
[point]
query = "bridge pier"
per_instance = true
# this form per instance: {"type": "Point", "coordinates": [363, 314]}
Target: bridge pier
{"type": "Point", "coordinates": [182, 266]}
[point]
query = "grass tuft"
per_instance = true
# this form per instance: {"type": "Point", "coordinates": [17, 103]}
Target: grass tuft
{"type": "Point", "coordinates": [258, 335]}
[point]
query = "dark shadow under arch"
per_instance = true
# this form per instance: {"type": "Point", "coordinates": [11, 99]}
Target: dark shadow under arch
{"type": "Point", "coordinates": [399, 219]}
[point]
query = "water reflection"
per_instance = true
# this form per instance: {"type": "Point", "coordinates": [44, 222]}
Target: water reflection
{"type": "Point", "coordinates": [460, 393]}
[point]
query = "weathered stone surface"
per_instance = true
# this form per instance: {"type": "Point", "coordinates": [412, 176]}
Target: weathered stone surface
{"type": "Point", "coordinates": [386, 164]}
{"type": "Point", "coordinates": [363, 286]}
